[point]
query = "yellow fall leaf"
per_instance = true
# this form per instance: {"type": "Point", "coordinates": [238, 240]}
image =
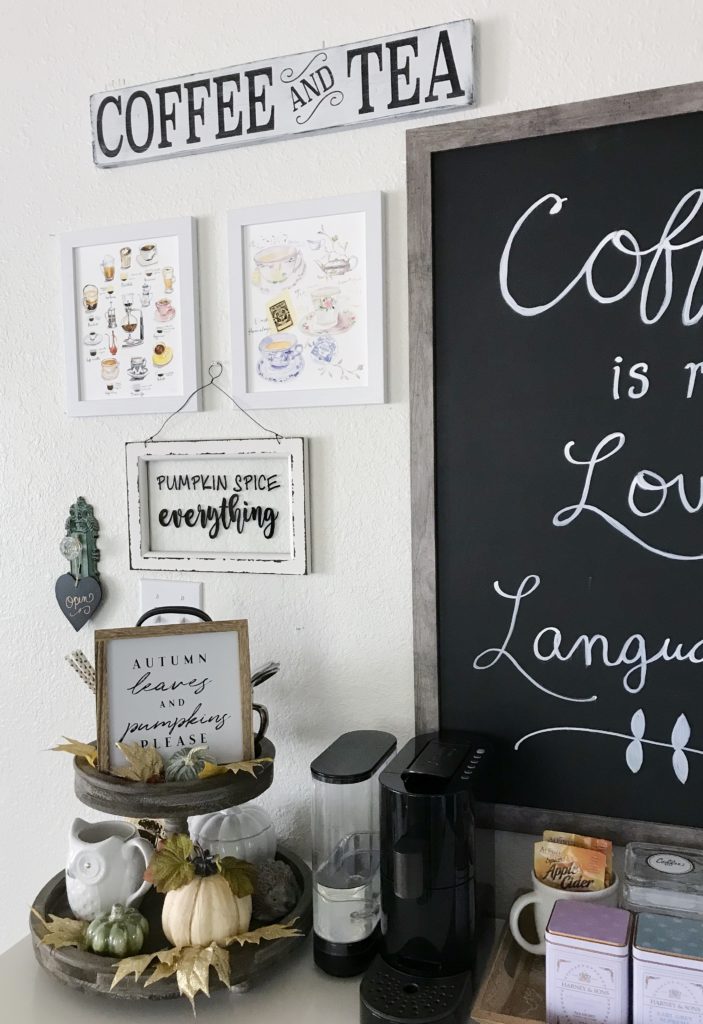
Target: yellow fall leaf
{"type": "Point", "coordinates": [160, 972]}
{"type": "Point", "coordinates": [78, 749]}
{"type": "Point", "coordinates": [191, 964]}
{"type": "Point", "coordinates": [142, 762]}
{"type": "Point", "coordinates": [220, 961]}
{"type": "Point", "coordinates": [62, 931]}
{"type": "Point", "coordinates": [266, 934]}
{"type": "Point", "coordinates": [135, 965]}
{"type": "Point", "coordinates": [235, 766]}
{"type": "Point", "coordinates": [193, 974]}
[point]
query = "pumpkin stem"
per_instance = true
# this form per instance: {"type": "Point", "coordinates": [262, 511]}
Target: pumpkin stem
{"type": "Point", "coordinates": [203, 861]}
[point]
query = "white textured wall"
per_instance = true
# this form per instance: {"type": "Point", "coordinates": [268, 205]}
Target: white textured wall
{"type": "Point", "coordinates": [344, 633]}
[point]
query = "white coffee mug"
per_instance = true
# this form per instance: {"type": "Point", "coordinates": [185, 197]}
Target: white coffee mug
{"type": "Point", "coordinates": [544, 897]}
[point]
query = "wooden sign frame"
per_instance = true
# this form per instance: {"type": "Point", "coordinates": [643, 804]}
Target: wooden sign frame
{"type": "Point", "coordinates": [241, 678]}
{"type": "Point", "coordinates": [422, 144]}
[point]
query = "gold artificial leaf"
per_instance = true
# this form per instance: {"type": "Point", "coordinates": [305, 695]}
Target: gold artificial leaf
{"type": "Point", "coordinates": [143, 763]}
{"type": "Point", "coordinates": [62, 931]}
{"type": "Point", "coordinates": [240, 875]}
{"type": "Point", "coordinates": [235, 766]}
{"type": "Point", "coordinates": [78, 749]}
{"type": "Point", "coordinates": [268, 933]}
{"type": "Point", "coordinates": [171, 867]}
{"type": "Point", "coordinates": [193, 974]}
{"type": "Point", "coordinates": [220, 961]}
{"type": "Point", "coordinates": [135, 965]}
{"type": "Point", "coordinates": [161, 971]}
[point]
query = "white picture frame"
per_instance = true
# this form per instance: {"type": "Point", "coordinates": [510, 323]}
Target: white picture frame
{"type": "Point", "coordinates": [218, 505]}
{"type": "Point", "coordinates": [307, 303]}
{"type": "Point", "coordinates": [113, 368]}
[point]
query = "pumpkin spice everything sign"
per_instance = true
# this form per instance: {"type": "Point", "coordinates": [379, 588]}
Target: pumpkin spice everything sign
{"type": "Point", "coordinates": [218, 506]}
{"type": "Point", "coordinates": [171, 687]}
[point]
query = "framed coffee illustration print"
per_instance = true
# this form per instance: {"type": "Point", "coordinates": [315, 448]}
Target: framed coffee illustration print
{"type": "Point", "coordinates": [306, 302]}
{"type": "Point", "coordinates": [171, 687]}
{"type": "Point", "coordinates": [131, 318]}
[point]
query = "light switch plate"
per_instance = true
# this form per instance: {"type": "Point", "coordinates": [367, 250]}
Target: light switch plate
{"type": "Point", "coordinates": [161, 593]}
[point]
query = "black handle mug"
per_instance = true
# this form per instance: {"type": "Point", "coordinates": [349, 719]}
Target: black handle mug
{"type": "Point", "coordinates": [200, 614]}
{"type": "Point", "coordinates": [263, 724]}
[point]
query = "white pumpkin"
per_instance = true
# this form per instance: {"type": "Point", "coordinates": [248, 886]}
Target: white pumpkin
{"type": "Point", "coordinates": [244, 832]}
{"type": "Point", "coordinates": [204, 911]}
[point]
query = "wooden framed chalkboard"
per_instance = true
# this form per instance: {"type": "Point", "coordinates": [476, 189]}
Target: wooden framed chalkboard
{"type": "Point", "coordinates": [556, 324]}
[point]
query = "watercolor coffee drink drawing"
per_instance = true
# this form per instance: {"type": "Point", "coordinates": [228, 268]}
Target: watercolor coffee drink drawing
{"type": "Point", "coordinates": [131, 289]}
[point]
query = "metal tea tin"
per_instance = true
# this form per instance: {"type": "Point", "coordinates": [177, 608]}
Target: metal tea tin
{"type": "Point", "coordinates": [667, 970]}
{"type": "Point", "coordinates": [588, 947]}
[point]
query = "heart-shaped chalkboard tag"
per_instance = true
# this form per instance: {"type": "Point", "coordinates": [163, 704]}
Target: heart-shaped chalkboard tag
{"type": "Point", "coordinates": [78, 600]}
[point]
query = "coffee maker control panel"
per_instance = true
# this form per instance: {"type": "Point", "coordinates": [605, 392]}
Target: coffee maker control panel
{"type": "Point", "coordinates": [441, 763]}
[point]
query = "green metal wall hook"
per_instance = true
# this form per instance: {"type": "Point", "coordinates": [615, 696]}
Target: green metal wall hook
{"type": "Point", "coordinates": [79, 545]}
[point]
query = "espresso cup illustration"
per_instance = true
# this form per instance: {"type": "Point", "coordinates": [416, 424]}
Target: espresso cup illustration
{"type": "Point", "coordinates": [147, 252]}
{"type": "Point", "coordinates": [109, 368]}
{"type": "Point", "coordinates": [90, 297]}
{"type": "Point", "coordinates": [277, 263]}
{"type": "Point", "coordinates": [279, 352]}
{"type": "Point", "coordinates": [164, 309]}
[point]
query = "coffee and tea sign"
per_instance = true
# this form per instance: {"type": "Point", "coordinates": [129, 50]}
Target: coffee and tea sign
{"type": "Point", "coordinates": [408, 73]}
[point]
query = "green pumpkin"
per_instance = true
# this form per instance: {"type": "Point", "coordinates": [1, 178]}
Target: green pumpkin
{"type": "Point", "coordinates": [119, 932]}
{"type": "Point", "coordinates": [187, 764]}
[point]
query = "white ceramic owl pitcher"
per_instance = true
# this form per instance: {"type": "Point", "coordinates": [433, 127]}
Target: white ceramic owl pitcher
{"type": "Point", "coordinates": [106, 864]}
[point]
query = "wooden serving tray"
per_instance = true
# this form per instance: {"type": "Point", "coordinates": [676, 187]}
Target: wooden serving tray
{"type": "Point", "coordinates": [513, 988]}
{"type": "Point", "coordinates": [92, 973]}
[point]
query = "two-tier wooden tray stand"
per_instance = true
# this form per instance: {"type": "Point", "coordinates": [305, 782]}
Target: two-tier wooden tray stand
{"type": "Point", "coordinates": [173, 802]}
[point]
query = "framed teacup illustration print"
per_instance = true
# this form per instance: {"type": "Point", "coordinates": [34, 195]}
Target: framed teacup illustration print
{"type": "Point", "coordinates": [131, 318]}
{"type": "Point", "coordinates": [306, 303]}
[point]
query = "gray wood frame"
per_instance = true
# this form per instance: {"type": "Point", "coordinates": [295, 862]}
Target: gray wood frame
{"type": "Point", "coordinates": [422, 143]}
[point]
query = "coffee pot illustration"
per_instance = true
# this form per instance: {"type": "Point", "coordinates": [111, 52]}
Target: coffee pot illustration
{"type": "Point", "coordinates": [106, 865]}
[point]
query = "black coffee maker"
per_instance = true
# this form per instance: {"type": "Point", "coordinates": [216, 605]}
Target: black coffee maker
{"type": "Point", "coordinates": [424, 969]}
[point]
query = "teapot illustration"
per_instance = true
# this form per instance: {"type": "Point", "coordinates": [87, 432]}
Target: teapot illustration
{"type": "Point", "coordinates": [106, 864]}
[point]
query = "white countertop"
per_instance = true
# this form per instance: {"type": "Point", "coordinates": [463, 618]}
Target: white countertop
{"type": "Point", "coordinates": [293, 991]}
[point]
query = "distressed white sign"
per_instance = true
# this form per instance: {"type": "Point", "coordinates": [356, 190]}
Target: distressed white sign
{"type": "Point", "coordinates": [407, 73]}
{"type": "Point", "coordinates": [218, 506]}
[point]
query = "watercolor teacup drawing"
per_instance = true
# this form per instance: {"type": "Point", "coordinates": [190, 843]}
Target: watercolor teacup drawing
{"type": "Point", "coordinates": [308, 326]}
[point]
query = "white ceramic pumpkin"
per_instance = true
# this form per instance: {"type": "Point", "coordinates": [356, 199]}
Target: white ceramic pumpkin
{"type": "Point", "coordinates": [204, 911]}
{"type": "Point", "coordinates": [245, 832]}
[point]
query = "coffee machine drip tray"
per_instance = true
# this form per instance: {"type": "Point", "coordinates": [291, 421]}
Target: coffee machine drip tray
{"type": "Point", "coordinates": [391, 996]}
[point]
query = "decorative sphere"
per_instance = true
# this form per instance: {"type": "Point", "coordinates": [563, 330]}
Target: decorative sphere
{"type": "Point", "coordinates": [70, 547]}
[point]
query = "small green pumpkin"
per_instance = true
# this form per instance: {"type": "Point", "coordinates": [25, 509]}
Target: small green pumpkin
{"type": "Point", "coordinates": [187, 764]}
{"type": "Point", "coordinates": [118, 932]}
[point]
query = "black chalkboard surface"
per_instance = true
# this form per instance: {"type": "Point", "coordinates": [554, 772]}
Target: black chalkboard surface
{"type": "Point", "coordinates": [567, 275]}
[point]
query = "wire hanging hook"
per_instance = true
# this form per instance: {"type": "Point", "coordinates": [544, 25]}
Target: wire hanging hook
{"type": "Point", "coordinates": [215, 370]}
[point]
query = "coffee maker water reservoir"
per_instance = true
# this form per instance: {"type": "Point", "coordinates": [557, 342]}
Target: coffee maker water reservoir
{"type": "Point", "coordinates": [346, 850]}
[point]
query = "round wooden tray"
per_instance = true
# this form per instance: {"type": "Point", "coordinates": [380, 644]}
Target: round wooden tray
{"type": "Point", "coordinates": [171, 800]}
{"type": "Point", "coordinates": [92, 973]}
